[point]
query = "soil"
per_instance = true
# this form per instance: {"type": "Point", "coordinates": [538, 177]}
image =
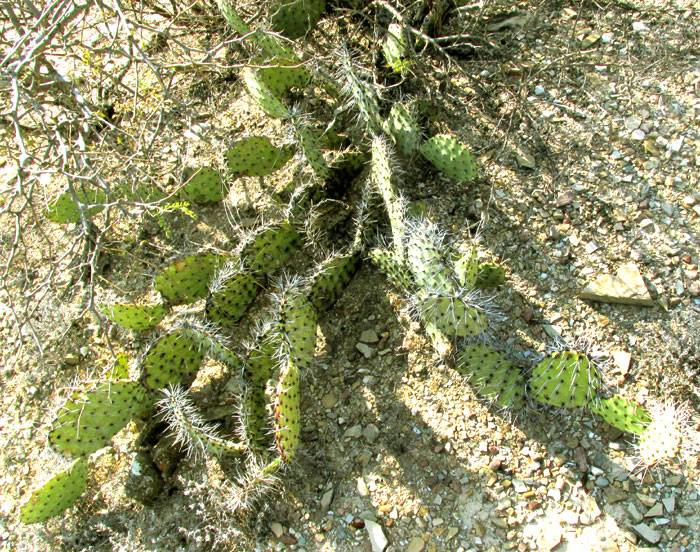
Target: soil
{"type": "Point", "coordinates": [583, 121]}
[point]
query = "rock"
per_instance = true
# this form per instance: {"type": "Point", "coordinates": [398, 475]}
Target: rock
{"type": "Point", "coordinates": [376, 536]}
{"type": "Point", "coordinates": [369, 336]}
{"type": "Point", "coordinates": [365, 350]}
{"type": "Point", "coordinates": [525, 160]}
{"type": "Point", "coordinates": [638, 135]}
{"type": "Point", "coordinates": [634, 513]}
{"type": "Point", "coordinates": [632, 123]}
{"type": "Point", "coordinates": [539, 90]}
{"type": "Point", "coordinates": [564, 199]}
{"type": "Point", "coordinates": [353, 432]}
{"type": "Point", "coordinates": [613, 494]}
{"type": "Point", "coordinates": [519, 486]}
{"type": "Point", "coordinates": [626, 287]}
{"type": "Point", "coordinates": [71, 359]}
{"type": "Point", "coordinates": [277, 529]}
{"type": "Point", "coordinates": [329, 400]}
{"type": "Point", "coordinates": [639, 26]}
{"type": "Point", "coordinates": [371, 432]}
{"type": "Point", "coordinates": [590, 40]}
{"type": "Point", "coordinates": [326, 499]}
{"type": "Point", "coordinates": [416, 545]}
{"type": "Point", "coordinates": [657, 510]}
{"type": "Point", "coordinates": [550, 539]}
{"type": "Point", "coordinates": [647, 533]}
{"type": "Point", "coordinates": [622, 360]}
{"type": "Point", "coordinates": [669, 504]}
{"type": "Point", "coordinates": [362, 489]}
{"type": "Point", "coordinates": [144, 481]}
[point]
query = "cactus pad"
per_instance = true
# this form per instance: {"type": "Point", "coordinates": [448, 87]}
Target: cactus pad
{"type": "Point", "coordinates": [135, 317]}
{"type": "Point", "coordinates": [65, 210]}
{"type": "Point", "coordinates": [296, 325]}
{"type": "Point", "coordinates": [280, 75]}
{"type": "Point", "coordinates": [270, 247]}
{"type": "Point", "coordinates": [466, 269]}
{"type": "Point", "coordinates": [388, 262]}
{"type": "Point", "coordinates": [231, 295]}
{"type": "Point", "coordinates": [90, 418]}
{"type": "Point", "coordinates": [424, 256]}
{"type": "Point", "coordinates": [450, 157]}
{"type": "Point", "coordinates": [331, 278]}
{"type": "Point", "coordinates": [202, 185]}
{"type": "Point", "coordinates": [256, 156]}
{"type": "Point", "coordinates": [287, 413]}
{"type": "Point", "coordinates": [565, 379]}
{"type": "Point", "coordinates": [312, 152]}
{"type": "Point", "coordinates": [172, 359]}
{"type": "Point", "coordinates": [623, 414]}
{"type": "Point", "coordinates": [263, 95]}
{"type": "Point", "coordinates": [492, 375]}
{"type": "Point", "coordinates": [187, 280]}
{"type": "Point", "coordinates": [295, 18]}
{"type": "Point", "coordinates": [120, 370]}
{"type": "Point", "coordinates": [56, 495]}
{"type": "Point", "coordinates": [489, 276]}
{"type": "Point", "coordinates": [451, 315]}
{"type": "Point", "coordinates": [395, 47]}
{"type": "Point", "coordinates": [403, 130]}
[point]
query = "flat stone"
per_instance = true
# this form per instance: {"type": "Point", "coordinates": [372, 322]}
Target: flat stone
{"type": "Point", "coordinates": [656, 510]}
{"type": "Point", "coordinates": [570, 517]}
{"type": "Point", "coordinates": [550, 539]}
{"type": "Point", "coordinates": [376, 536]}
{"type": "Point", "coordinates": [613, 494]}
{"type": "Point", "coordinates": [622, 360]}
{"type": "Point", "coordinates": [369, 336]}
{"type": "Point", "coordinates": [519, 486]}
{"type": "Point", "coordinates": [590, 40]}
{"type": "Point", "coordinates": [638, 135]}
{"type": "Point", "coordinates": [647, 533]}
{"type": "Point", "coordinates": [632, 123]}
{"type": "Point", "coordinates": [626, 287]}
{"type": "Point", "coordinates": [353, 432]}
{"type": "Point", "coordinates": [277, 529]}
{"type": "Point", "coordinates": [417, 544]}
{"type": "Point", "coordinates": [669, 504]}
{"type": "Point", "coordinates": [634, 513]}
{"type": "Point", "coordinates": [526, 161]}
{"type": "Point", "coordinates": [564, 199]}
{"type": "Point", "coordinates": [366, 350]}
{"type": "Point", "coordinates": [326, 499]}
{"type": "Point", "coordinates": [371, 432]}
{"type": "Point", "coordinates": [329, 400]}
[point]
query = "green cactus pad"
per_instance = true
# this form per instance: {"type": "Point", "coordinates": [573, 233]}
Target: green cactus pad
{"type": "Point", "coordinates": [120, 370]}
{"type": "Point", "coordinates": [492, 375]}
{"type": "Point", "coordinates": [451, 315]}
{"type": "Point", "coordinates": [288, 413]}
{"type": "Point", "coordinates": [257, 370]}
{"type": "Point", "coordinates": [231, 295]}
{"type": "Point", "coordinates": [489, 276]}
{"type": "Point", "coordinates": [395, 47]}
{"type": "Point", "coordinates": [623, 414]}
{"type": "Point", "coordinates": [565, 379]}
{"type": "Point", "coordinates": [381, 178]}
{"type": "Point", "coordinates": [403, 130]}
{"type": "Point", "coordinates": [312, 151]}
{"type": "Point", "coordinates": [172, 359]}
{"type": "Point", "coordinates": [295, 18]}
{"type": "Point", "coordinates": [56, 495]}
{"type": "Point", "coordinates": [65, 210]}
{"type": "Point", "coordinates": [281, 75]}
{"type": "Point", "coordinates": [90, 418]}
{"type": "Point", "coordinates": [296, 325]}
{"type": "Point", "coordinates": [388, 262]}
{"type": "Point", "coordinates": [263, 95]}
{"type": "Point", "coordinates": [427, 264]}
{"type": "Point", "coordinates": [270, 247]}
{"type": "Point", "coordinates": [331, 279]}
{"type": "Point", "coordinates": [450, 157]}
{"type": "Point", "coordinates": [206, 338]}
{"type": "Point", "coordinates": [466, 269]}
{"type": "Point", "coordinates": [135, 317]}
{"type": "Point", "coordinates": [256, 156]}
{"type": "Point", "coordinates": [187, 280]}
{"type": "Point", "coordinates": [202, 185]}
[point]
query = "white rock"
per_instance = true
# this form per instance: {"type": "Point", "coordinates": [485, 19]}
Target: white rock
{"type": "Point", "coordinates": [675, 145]}
{"type": "Point", "coordinates": [639, 26]}
{"type": "Point", "coordinates": [638, 135]}
{"type": "Point", "coordinates": [539, 90]}
{"type": "Point", "coordinates": [376, 536]}
{"type": "Point", "coordinates": [632, 123]}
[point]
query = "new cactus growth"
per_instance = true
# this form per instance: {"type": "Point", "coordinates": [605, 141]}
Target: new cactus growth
{"type": "Point", "coordinates": [232, 292]}
{"type": "Point", "coordinates": [202, 185]}
{"type": "Point", "coordinates": [450, 157]}
{"type": "Point", "coordinates": [56, 495]}
{"type": "Point", "coordinates": [492, 375]}
{"type": "Point", "coordinates": [135, 317]}
{"type": "Point", "coordinates": [90, 418]}
{"type": "Point", "coordinates": [294, 18]}
{"type": "Point", "coordinates": [296, 325]}
{"type": "Point", "coordinates": [172, 359]}
{"type": "Point", "coordinates": [120, 370]}
{"type": "Point", "coordinates": [623, 414]}
{"type": "Point", "coordinates": [187, 280]}
{"type": "Point", "coordinates": [395, 47]}
{"type": "Point", "coordinates": [565, 379]}
{"type": "Point", "coordinates": [256, 156]}
{"type": "Point", "coordinates": [466, 269]}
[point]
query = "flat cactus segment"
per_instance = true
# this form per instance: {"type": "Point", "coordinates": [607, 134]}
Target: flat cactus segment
{"type": "Point", "coordinates": [135, 317]}
{"type": "Point", "coordinates": [450, 157]}
{"type": "Point", "coordinates": [565, 379]}
{"type": "Point", "coordinates": [270, 247]}
{"type": "Point", "coordinates": [207, 339]}
{"type": "Point", "coordinates": [451, 315]}
{"type": "Point", "coordinates": [466, 269]}
{"type": "Point", "coordinates": [492, 375]}
{"type": "Point", "coordinates": [296, 325]}
{"type": "Point", "coordinates": [403, 130]}
{"type": "Point", "coordinates": [202, 185]}
{"type": "Point", "coordinates": [191, 431]}
{"type": "Point", "coordinates": [395, 47]}
{"type": "Point", "coordinates": [257, 370]}
{"type": "Point", "coordinates": [120, 370]}
{"type": "Point", "coordinates": [280, 75]}
{"type": "Point", "coordinates": [623, 414]}
{"type": "Point", "coordinates": [231, 296]}
{"type": "Point", "coordinates": [424, 256]}
{"type": "Point", "coordinates": [90, 418]}
{"type": "Point", "coordinates": [331, 279]}
{"type": "Point", "coordinates": [256, 156]}
{"type": "Point", "coordinates": [187, 280]}
{"type": "Point", "coordinates": [287, 413]}
{"type": "Point", "coordinates": [389, 263]}
{"type": "Point", "coordinates": [173, 359]}
{"type": "Point", "coordinates": [489, 276]}
{"type": "Point", "coordinates": [263, 95]}
{"type": "Point", "coordinates": [56, 495]}
{"type": "Point", "coordinates": [295, 18]}
{"type": "Point", "coordinates": [312, 151]}
{"type": "Point", "coordinates": [381, 178]}
{"type": "Point", "coordinates": [65, 210]}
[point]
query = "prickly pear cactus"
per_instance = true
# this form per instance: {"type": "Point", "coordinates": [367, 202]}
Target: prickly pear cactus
{"type": "Point", "coordinates": [268, 248]}
{"type": "Point", "coordinates": [187, 280]}
{"type": "Point", "coordinates": [450, 315]}
{"type": "Point", "coordinates": [296, 324]}
{"type": "Point", "coordinates": [450, 157]}
{"type": "Point", "coordinates": [331, 278]}
{"type": "Point", "coordinates": [489, 276]}
{"type": "Point", "coordinates": [232, 292]}
{"type": "Point", "coordinates": [135, 317]}
{"type": "Point", "coordinates": [120, 370]}
{"type": "Point", "coordinates": [466, 268]}
{"type": "Point", "coordinates": [492, 375]}
{"type": "Point", "coordinates": [263, 95]}
{"type": "Point", "coordinates": [65, 210]}
{"type": "Point", "coordinates": [565, 379]}
{"type": "Point", "coordinates": [56, 495]}
{"type": "Point", "coordinates": [174, 359]}
{"type": "Point", "coordinates": [623, 414]}
{"type": "Point", "coordinates": [256, 156]}
{"type": "Point", "coordinates": [295, 18]}
{"type": "Point", "coordinates": [202, 185]}
{"type": "Point", "coordinates": [395, 47]}
{"type": "Point", "coordinates": [403, 129]}
{"type": "Point", "coordinates": [281, 75]}
{"type": "Point", "coordinates": [288, 413]}
{"type": "Point", "coordinates": [389, 263]}
{"type": "Point", "coordinates": [90, 418]}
